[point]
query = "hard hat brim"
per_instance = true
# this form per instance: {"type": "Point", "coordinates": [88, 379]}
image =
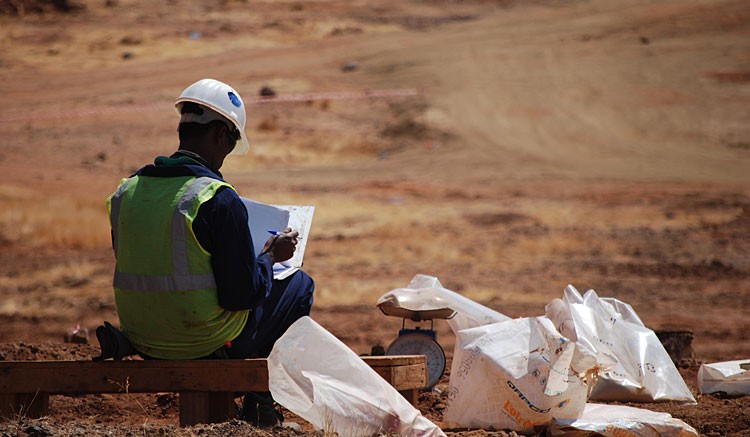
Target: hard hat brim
{"type": "Point", "coordinates": [242, 146]}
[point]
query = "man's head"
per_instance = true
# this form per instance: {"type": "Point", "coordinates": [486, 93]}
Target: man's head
{"type": "Point", "coordinates": [212, 119]}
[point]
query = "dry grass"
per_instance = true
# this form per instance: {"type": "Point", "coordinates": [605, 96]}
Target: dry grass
{"type": "Point", "coordinates": [31, 219]}
{"type": "Point", "coordinates": [380, 241]}
{"type": "Point", "coordinates": [371, 239]}
{"type": "Point", "coordinates": [65, 286]}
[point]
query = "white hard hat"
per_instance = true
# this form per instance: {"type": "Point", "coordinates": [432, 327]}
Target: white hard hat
{"type": "Point", "coordinates": [223, 99]}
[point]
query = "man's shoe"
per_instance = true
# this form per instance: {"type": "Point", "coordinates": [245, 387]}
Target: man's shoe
{"type": "Point", "coordinates": [113, 343]}
{"type": "Point", "coordinates": [259, 410]}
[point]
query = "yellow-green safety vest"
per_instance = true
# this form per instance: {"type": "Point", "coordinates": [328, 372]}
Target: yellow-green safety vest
{"type": "Point", "coordinates": [164, 285]}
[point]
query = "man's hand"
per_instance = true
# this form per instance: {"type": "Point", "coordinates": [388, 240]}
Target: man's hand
{"type": "Point", "coordinates": [281, 247]}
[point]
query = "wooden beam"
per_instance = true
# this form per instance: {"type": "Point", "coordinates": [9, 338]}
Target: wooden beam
{"type": "Point", "coordinates": [205, 407]}
{"type": "Point", "coordinates": [404, 377]}
{"type": "Point", "coordinates": [411, 395]}
{"type": "Point", "coordinates": [153, 376]}
{"type": "Point", "coordinates": [136, 376]}
{"type": "Point", "coordinates": [394, 360]}
{"type": "Point", "coordinates": [206, 387]}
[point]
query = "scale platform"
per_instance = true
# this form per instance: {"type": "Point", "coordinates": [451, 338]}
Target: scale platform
{"type": "Point", "coordinates": [418, 341]}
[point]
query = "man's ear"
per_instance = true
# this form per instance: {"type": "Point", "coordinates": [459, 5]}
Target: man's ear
{"type": "Point", "coordinates": [226, 138]}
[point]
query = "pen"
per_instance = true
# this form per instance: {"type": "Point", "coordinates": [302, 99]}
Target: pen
{"type": "Point", "coordinates": [277, 233]}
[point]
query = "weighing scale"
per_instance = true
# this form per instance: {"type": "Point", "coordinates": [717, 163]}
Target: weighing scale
{"type": "Point", "coordinates": [418, 341]}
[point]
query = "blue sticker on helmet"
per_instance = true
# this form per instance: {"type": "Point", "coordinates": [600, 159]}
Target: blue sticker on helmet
{"type": "Point", "coordinates": [234, 99]}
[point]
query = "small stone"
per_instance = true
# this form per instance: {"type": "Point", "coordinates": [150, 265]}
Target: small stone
{"type": "Point", "coordinates": [350, 66]}
{"type": "Point", "coordinates": [36, 431]}
{"type": "Point", "coordinates": [77, 335]}
{"type": "Point", "coordinates": [130, 40]}
{"type": "Point", "coordinates": [267, 91]}
{"type": "Point", "coordinates": [164, 399]}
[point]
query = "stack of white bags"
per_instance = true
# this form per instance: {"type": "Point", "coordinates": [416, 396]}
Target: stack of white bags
{"type": "Point", "coordinates": [522, 374]}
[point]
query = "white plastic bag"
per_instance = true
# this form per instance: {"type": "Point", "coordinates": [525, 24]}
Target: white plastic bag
{"type": "Point", "coordinates": [726, 376]}
{"type": "Point", "coordinates": [426, 293]}
{"type": "Point", "coordinates": [317, 377]}
{"type": "Point", "coordinates": [513, 375]}
{"type": "Point", "coordinates": [620, 420]}
{"type": "Point", "coordinates": [634, 364]}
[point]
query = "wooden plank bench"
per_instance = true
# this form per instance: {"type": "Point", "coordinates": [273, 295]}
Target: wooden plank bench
{"type": "Point", "coordinates": [206, 387]}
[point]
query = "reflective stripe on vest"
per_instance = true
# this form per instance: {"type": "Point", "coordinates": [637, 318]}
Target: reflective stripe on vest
{"type": "Point", "coordinates": [114, 215]}
{"type": "Point", "coordinates": [181, 278]}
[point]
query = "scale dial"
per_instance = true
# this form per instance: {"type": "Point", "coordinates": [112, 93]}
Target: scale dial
{"type": "Point", "coordinates": [421, 344]}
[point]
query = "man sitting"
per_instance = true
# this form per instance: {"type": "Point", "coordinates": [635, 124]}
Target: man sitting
{"type": "Point", "coordinates": [187, 282]}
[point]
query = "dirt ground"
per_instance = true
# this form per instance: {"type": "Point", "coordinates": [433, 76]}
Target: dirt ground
{"type": "Point", "coordinates": [508, 148]}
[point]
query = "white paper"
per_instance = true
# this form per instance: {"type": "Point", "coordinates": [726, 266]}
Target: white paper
{"type": "Point", "coordinates": [263, 218]}
{"type": "Point", "coordinates": [300, 220]}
